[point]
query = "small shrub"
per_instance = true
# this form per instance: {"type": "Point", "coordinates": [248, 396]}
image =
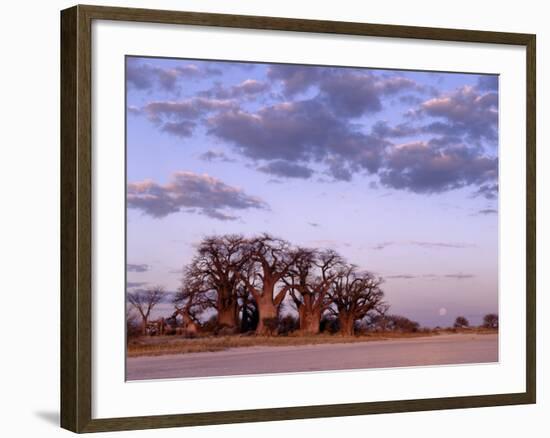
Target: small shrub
{"type": "Point", "coordinates": [224, 330]}
{"type": "Point", "coordinates": [329, 325]}
{"type": "Point", "coordinates": [270, 325]}
{"type": "Point", "coordinates": [288, 324]}
{"type": "Point", "coordinates": [211, 325]}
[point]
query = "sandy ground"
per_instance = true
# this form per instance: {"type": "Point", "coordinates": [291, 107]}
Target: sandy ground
{"type": "Point", "coordinates": [434, 350]}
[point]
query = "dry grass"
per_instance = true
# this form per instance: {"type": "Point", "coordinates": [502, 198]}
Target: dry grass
{"type": "Point", "coordinates": [469, 330]}
{"type": "Point", "coordinates": [160, 345]}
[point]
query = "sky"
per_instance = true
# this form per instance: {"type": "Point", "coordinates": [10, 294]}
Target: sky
{"type": "Point", "coordinates": [396, 170]}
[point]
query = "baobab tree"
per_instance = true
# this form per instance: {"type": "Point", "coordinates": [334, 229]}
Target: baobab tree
{"type": "Point", "coordinates": [191, 301]}
{"type": "Point", "coordinates": [144, 300]}
{"type": "Point", "coordinates": [217, 266]}
{"type": "Point", "coordinates": [271, 260]}
{"type": "Point", "coordinates": [354, 295]}
{"type": "Point", "coordinates": [309, 280]}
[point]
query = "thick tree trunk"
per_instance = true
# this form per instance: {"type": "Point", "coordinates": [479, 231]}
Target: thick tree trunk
{"type": "Point", "coordinates": [266, 310]}
{"type": "Point", "coordinates": [227, 316]}
{"type": "Point", "coordinates": [227, 308]}
{"type": "Point", "coordinates": [310, 320]}
{"type": "Point", "coordinates": [346, 325]}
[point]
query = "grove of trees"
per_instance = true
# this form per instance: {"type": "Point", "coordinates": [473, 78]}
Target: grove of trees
{"type": "Point", "coordinates": [243, 282]}
{"type": "Point", "coordinates": [236, 284]}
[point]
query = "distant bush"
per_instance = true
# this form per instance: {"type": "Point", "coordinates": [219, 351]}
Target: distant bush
{"type": "Point", "coordinates": [225, 330]}
{"type": "Point", "coordinates": [329, 325]}
{"type": "Point", "coordinates": [490, 321]}
{"type": "Point", "coordinates": [288, 324]}
{"type": "Point", "coordinates": [393, 323]}
{"type": "Point", "coordinates": [211, 325]}
{"type": "Point", "coordinates": [271, 325]}
{"type": "Point", "coordinates": [404, 324]}
{"type": "Point", "coordinates": [461, 322]}
{"type": "Point", "coordinates": [360, 328]}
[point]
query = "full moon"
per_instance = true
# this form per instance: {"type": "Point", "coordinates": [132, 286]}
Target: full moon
{"type": "Point", "coordinates": [442, 311]}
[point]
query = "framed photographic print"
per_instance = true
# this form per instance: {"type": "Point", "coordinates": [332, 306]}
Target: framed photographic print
{"type": "Point", "coordinates": [305, 218]}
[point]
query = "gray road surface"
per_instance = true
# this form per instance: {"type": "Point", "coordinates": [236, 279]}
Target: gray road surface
{"type": "Point", "coordinates": [435, 350]}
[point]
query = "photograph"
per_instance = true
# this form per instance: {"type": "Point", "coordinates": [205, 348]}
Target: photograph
{"type": "Point", "coordinates": [285, 218]}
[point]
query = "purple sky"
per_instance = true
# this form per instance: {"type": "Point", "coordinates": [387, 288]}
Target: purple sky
{"type": "Point", "coordinates": [397, 170]}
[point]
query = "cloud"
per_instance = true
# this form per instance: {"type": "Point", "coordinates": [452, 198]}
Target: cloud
{"type": "Point", "coordinates": [132, 267]}
{"type": "Point", "coordinates": [455, 245]}
{"type": "Point", "coordinates": [297, 131]}
{"type": "Point", "coordinates": [179, 129]}
{"type": "Point", "coordinates": [213, 68]}
{"type": "Point", "coordinates": [459, 276]}
{"type": "Point", "coordinates": [410, 99]}
{"type": "Point", "coordinates": [286, 169]}
{"type": "Point", "coordinates": [179, 118]}
{"type": "Point", "coordinates": [134, 110]}
{"type": "Point", "coordinates": [185, 109]}
{"type": "Point", "coordinates": [384, 130]}
{"type": "Point", "coordinates": [353, 93]}
{"type": "Point", "coordinates": [339, 168]}
{"type": "Point", "coordinates": [488, 82]}
{"type": "Point", "coordinates": [213, 156]}
{"type": "Point", "coordinates": [290, 131]}
{"type": "Point", "coordinates": [350, 92]}
{"type": "Point", "coordinates": [488, 191]}
{"type": "Point", "coordinates": [329, 243]}
{"type": "Point", "coordinates": [143, 76]}
{"type": "Point", "coordinates": [216, 214]}
{"type": "Point", "coordinates": [295, 78]}
{"type": "Point", "coordinates": [425, 244]}
{"type": "Point", "coordinates": [133, 284]}
{"type": "Point", "coordinates": [422, 168]}
{"type": "Point", "coordinates": [466, 112]}
{"type": "Point", "coordinates": [383, 245]}
{"type": "Point", "coordinates": [320, 129]}
{"type": "Point", "coordinates": [187, 191]}
{"type": "Point", "coordinates": [247, 88]}
{"type": "Point", "coordinates": [488, 211]}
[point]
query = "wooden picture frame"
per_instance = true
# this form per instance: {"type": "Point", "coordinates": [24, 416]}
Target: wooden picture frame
{"type": "Point", "coordinates": [76, 217]}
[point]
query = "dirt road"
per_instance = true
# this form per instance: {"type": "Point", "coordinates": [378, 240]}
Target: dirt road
{"type": "Point", "coordinates": [435, 350]}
